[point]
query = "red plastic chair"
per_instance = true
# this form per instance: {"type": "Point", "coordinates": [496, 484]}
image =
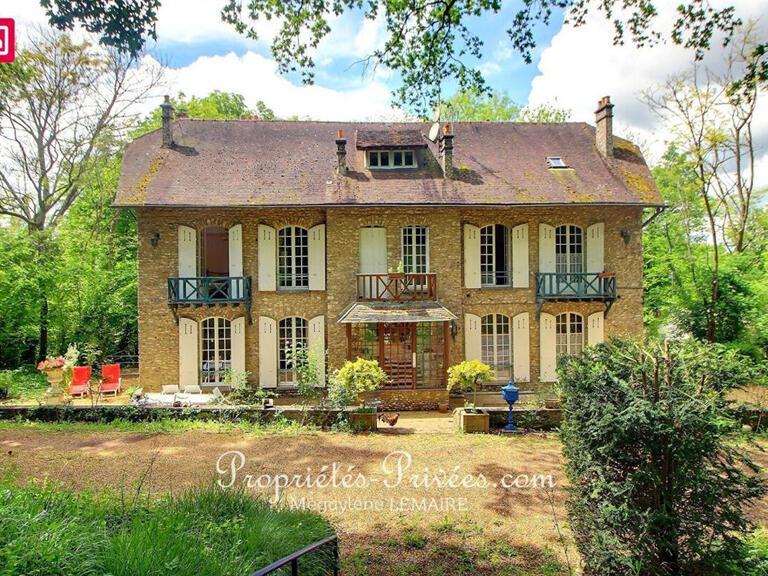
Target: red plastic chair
{"type": "Point", "coordinates": [110, 379]}
{"type": "Point", "coordinates": [81, 375]}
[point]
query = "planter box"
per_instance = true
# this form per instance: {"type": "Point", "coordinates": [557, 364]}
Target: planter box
{"type": "Point", "coordinates": [471, 422]}
{"type": "Point", "coordinates": [363, 420]}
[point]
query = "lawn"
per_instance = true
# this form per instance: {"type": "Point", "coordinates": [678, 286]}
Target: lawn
{"type": "Point", "coordinates": [203, 532]}
{"type": "Point", "coordinates": [512, 531]}
{"type": "Point", "coordinates": [490, 530]}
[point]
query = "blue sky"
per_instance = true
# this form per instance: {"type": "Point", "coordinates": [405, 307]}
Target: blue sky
{"type": "Point", "coordinates": [505, 70]}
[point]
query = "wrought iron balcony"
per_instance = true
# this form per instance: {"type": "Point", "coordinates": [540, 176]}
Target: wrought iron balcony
{"type": "Point", "coordinates": [210, 291]}
{"type": "Point", "coordinates": [584, 286]}
{"type": "Point", "coordinates": [396, 287]}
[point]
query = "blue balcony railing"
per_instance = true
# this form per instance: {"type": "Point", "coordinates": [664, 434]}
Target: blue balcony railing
{"type": "Point", "coordinates": [584, 286]}
{"type": "Point", "coordinates": [210, 291]}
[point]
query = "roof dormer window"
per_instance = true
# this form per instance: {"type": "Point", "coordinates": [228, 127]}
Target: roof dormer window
{"type": "Point", "coordinates": [390, 159]}
{"type": "Point", "coordinates": [556, 162]}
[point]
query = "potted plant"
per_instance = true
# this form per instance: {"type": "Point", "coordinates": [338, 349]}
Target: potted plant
{"type": "Point", "coordinates": [466, 376]}
{"type": "Point", "coordinates": [353, 381]}
{"type": "Point", "coordinates": [52, 367]}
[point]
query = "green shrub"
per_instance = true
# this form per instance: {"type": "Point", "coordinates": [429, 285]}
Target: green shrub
{"type": "Point", "coordinates": [657, 482]}
{"type": "Point", "coordinates": [204, 532]}
{"type": "Point", "coordinates": [23, 383]}
{"type": "Point", "coordinates": [467, 375]}
{"type": "Point", "coordinates": [354, 379]}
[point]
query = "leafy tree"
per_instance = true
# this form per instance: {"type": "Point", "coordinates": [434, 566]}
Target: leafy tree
{"type": "Point", "coordinates": [216, 105]}
{"type": "Point", "coordinates": [61, 106]}
{"type": "Point", "coordinates": [427, 42]}
{"type": "Point", "coordinates": [545, 113]}
{"type": "Point", "coordinates": [656, 487]}
{"type": "Point", "coordinates": [479, 107]}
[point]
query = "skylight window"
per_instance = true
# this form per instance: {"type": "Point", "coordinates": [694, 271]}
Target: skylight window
{"type": "Point", "coordinates": [556, 162]}
{"type": "Point", "coordinates": [388, 159]}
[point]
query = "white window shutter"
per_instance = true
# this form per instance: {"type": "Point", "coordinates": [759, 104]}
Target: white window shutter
{"type": "Point", "coordinates": [596, 247]}
{"type": "Point", "coordinates": [188, 362]}
{"type": "Point", "coordinates": [596, 328]}
{"type": "Point", "coordinates": [267, 352]}
{"type": "Point", "coordinates": [471, 256]}
{"type": "Point", "coordinates": [546, 248]}
{"type": "Point", "coordinates": [187, 260]}
{"type": "Point", "coordinates": [317, 257]}
{"type": "Point", "coordinates": [238, 344]}
{"type": "Point", "coordinates": [472, 338]}
{"type": "Point", "coordinates": [548, 357]}
{"type": "Point", "coordinates": [267, 253]}
{"type": "Point", "coordinates": [316, 343]}
{"type": "Point", "coordinates": [521, 348]}
{"type": "Point", "coordinates": [520, 256]}
{"type": "Point", "coordinates": [236, 259]}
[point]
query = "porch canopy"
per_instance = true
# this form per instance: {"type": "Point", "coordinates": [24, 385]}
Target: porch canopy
{"type": "Point", "coordinates": [395, 312]}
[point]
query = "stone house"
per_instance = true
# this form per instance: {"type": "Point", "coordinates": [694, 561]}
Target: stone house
{"type": "Point", "coordinates": [414, 244]}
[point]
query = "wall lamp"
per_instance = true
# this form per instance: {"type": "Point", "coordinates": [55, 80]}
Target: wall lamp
{"type": "Point", "coordinates": [626, 235]}
{"type": "Point", "coordinates": [154, 239]}
{"type": "Point", "coordinates": [454, 329]}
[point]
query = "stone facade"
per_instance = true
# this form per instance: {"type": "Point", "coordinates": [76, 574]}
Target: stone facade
{"type": "Point", "coordinates": [158, 332]}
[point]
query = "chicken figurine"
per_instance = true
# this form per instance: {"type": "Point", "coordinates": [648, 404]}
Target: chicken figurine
{"type": "Point", "coordinates": [390, 419]}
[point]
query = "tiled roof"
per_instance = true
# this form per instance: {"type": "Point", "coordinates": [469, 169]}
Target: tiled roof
{"type": "Point", "coordinates": [281, 163]}
{"type": "Point", "coordinates": [381, 312]}
{"type": "Point", "coordinates": [395, 137]}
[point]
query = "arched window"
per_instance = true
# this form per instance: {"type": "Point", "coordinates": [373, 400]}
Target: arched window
{"type": "Point", "coordinates": [570, 333]}
{"type": "Point", "coordinates": [495, 256]}
{"type": "Point", "coordinates": [497, 344]}
{"type": "Point", "coordinates": [292, 335]}
{"type": "Point", "coordinates": [414, 248]}
{"type": "Point", "coordinates": [215, 350]}
{"type": "Point", "coordinates": [293, 257]}
{"type": "Point", "coordinates": [214, 251]}
{"type": "Point", "coordinates": [569, 249]}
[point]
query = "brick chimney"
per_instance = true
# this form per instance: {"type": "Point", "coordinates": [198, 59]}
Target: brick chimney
{"type": "Point", "coordinates": [604, 126]}
{"type": "Point", "coordinates": [167, 114]}
{"type": "Point", "coordinates": [446, 151]}
{"type": "Point", "coordinates": [341, 153]}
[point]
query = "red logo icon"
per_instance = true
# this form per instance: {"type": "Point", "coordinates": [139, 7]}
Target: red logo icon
{"type": "Point", "coordinates": [7, 40]}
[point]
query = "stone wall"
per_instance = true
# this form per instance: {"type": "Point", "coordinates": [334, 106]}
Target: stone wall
{"type": "Point", "coordinates": [158, 332]}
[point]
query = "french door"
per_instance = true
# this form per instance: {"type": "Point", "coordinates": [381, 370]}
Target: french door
{"type": "Point", "coordinates": [569, 258]}
{"type": "Point", "coordinates": [412, 354]}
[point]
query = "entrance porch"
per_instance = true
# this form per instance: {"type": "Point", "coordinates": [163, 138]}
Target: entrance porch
{"type": "Point", "coordinates": [410, 341]}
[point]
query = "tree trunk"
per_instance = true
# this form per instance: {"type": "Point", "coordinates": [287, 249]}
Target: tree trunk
{"type": "Point", "coordinates": [43, 343]}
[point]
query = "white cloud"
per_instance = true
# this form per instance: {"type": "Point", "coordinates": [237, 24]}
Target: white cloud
{"type": "Point", "coordinates": [488, 69]}
{"type": "Point", "coordinates": [257, 78]}
{"type": "Point", "coordinates": [581, 65]}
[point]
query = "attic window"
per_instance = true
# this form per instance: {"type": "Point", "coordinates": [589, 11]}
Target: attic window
{"type": "Point", "coordinates": [556, 162]}
{"type": "Point", "coordinates": [389, 159]}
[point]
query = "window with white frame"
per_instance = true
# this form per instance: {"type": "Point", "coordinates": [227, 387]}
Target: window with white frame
{"type": "Point", "coordinates": [414, 249]}
{"type": "Point", "coordinates": [293, 257]}
{"type": "Point", "coordinates": [570, 334]}
{"type": "Point", "coordinates": [385, 159]}
{"type": "Point", "coordinates": [215, 350]}
{"type": "Point", "coordinates": [495, 257]}
{"type": "Point", "coordinates": [292, 336]}
{"type": "Point", "coordinates": [496, 344]}
{"type": "Point", "coordinates": [569, 249]}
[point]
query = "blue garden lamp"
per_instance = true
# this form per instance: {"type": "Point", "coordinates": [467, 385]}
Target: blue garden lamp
{"type": "Point", "coordinates": [511, 394]}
